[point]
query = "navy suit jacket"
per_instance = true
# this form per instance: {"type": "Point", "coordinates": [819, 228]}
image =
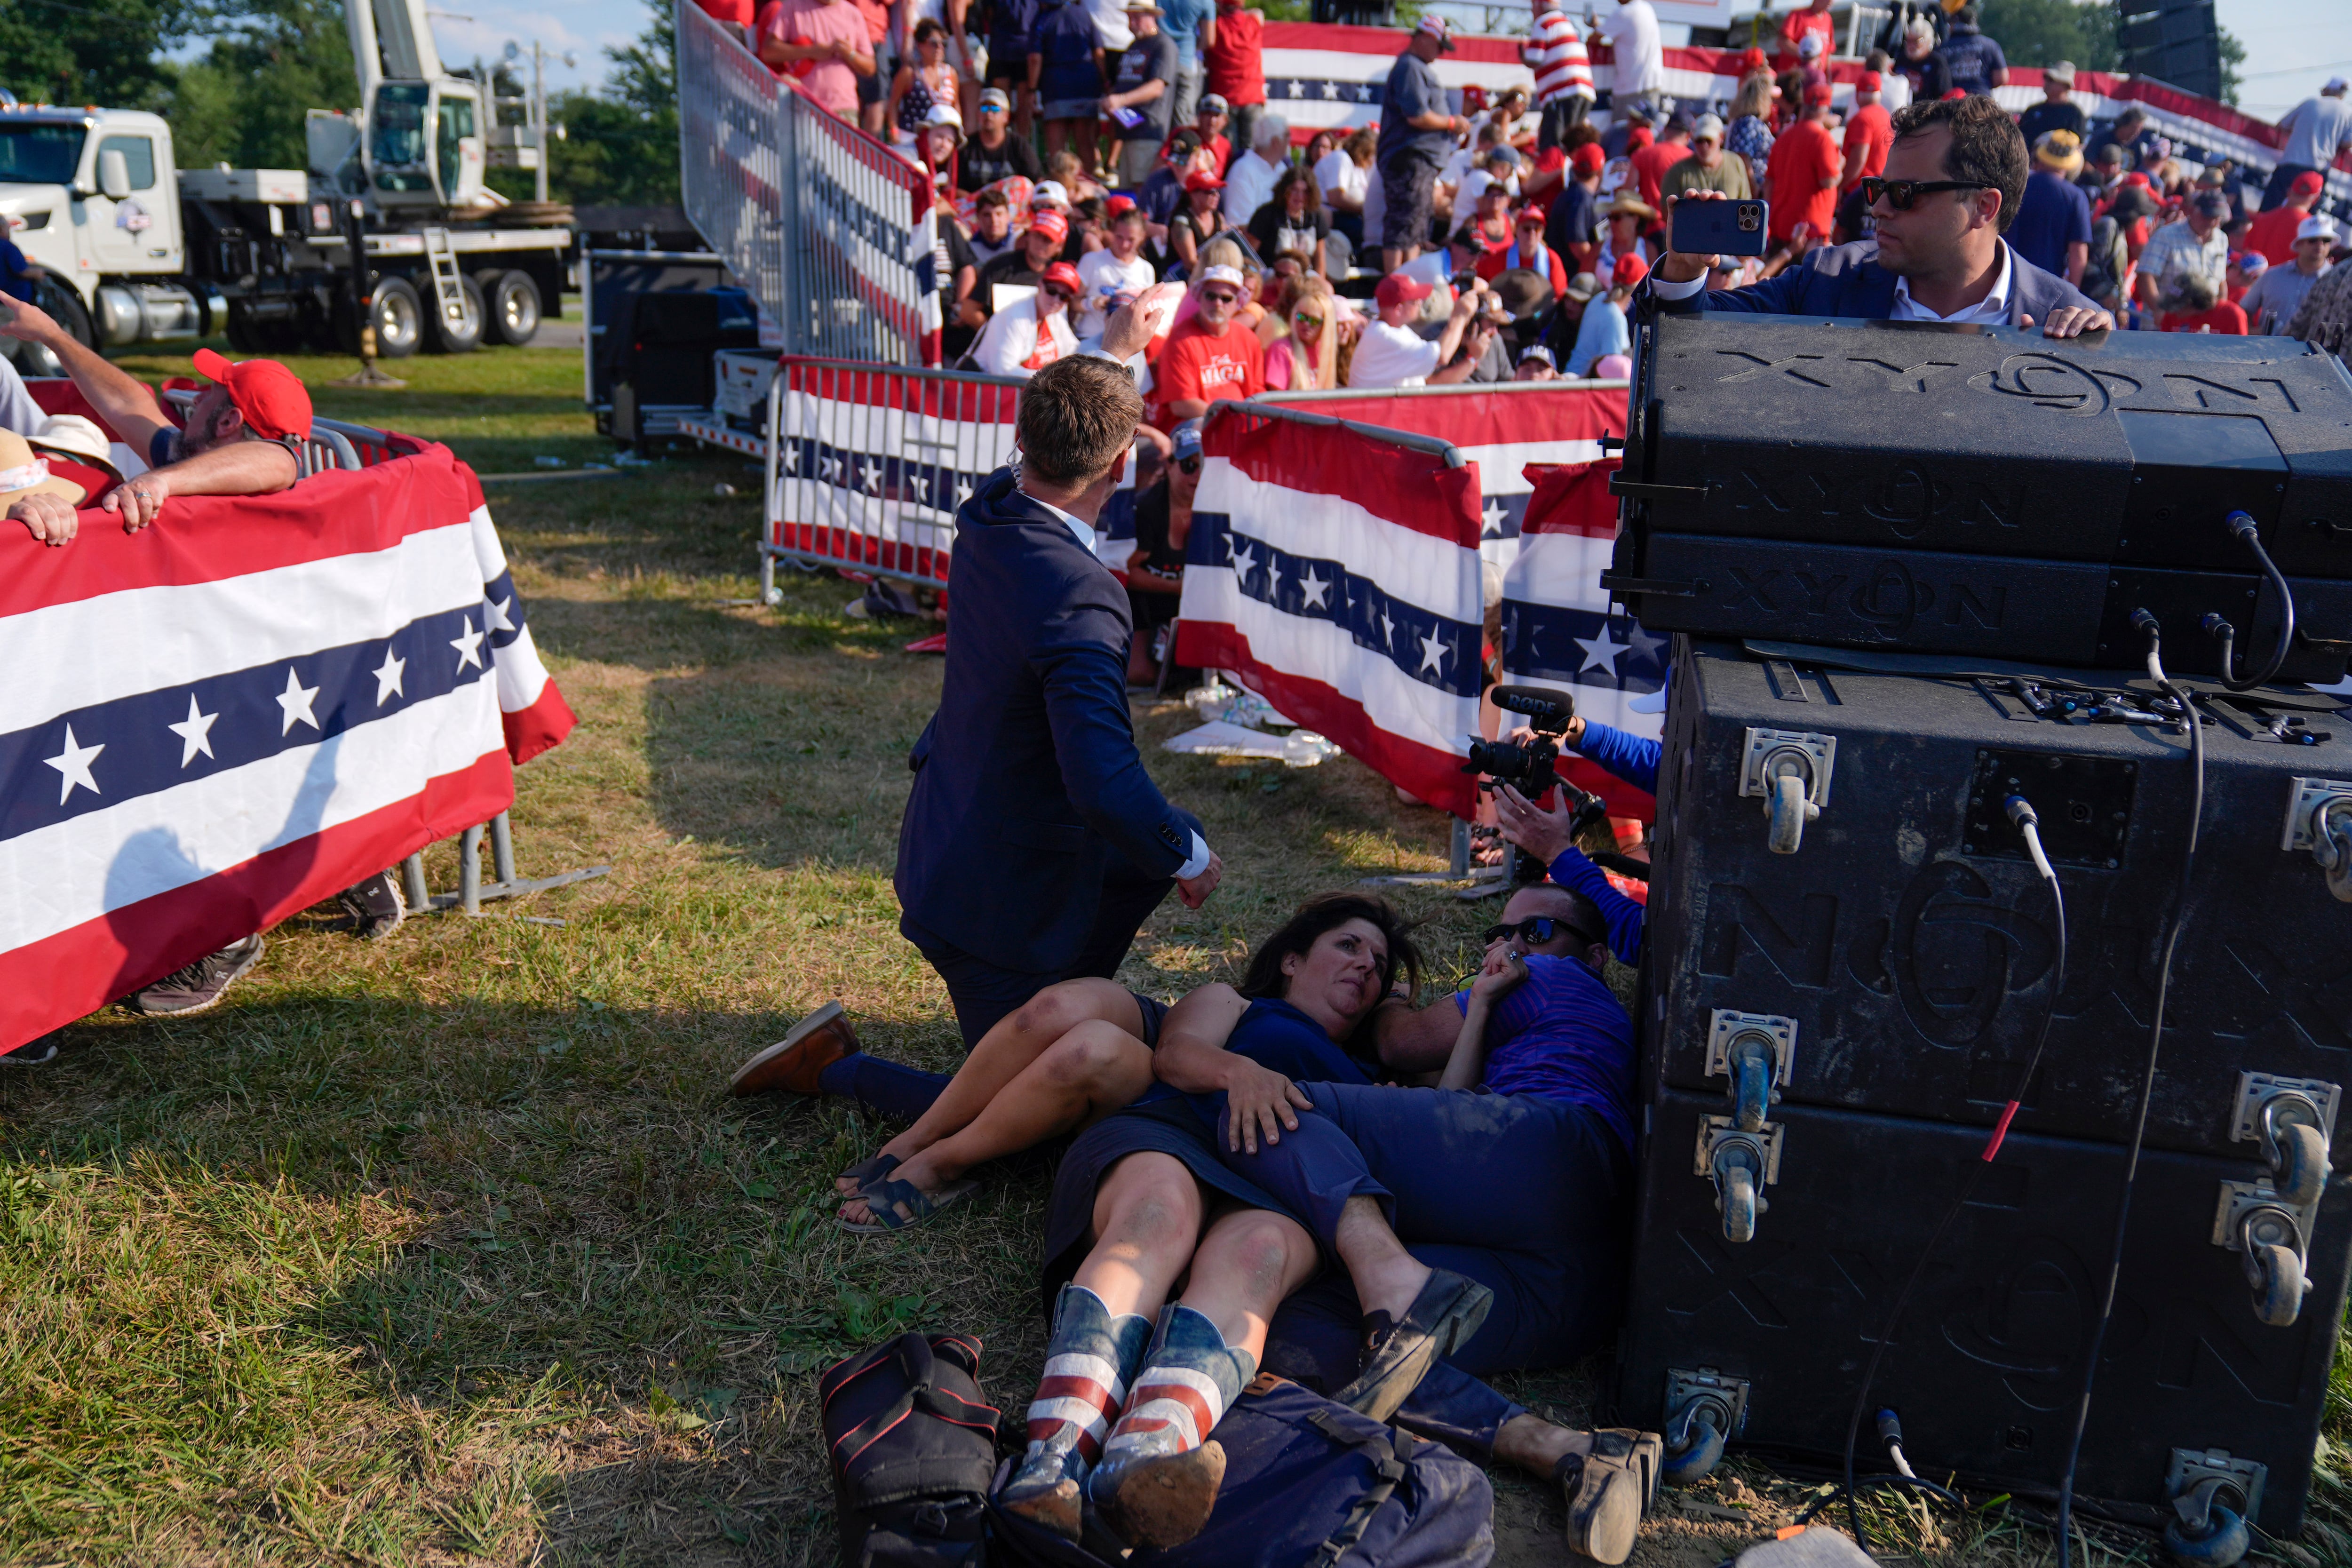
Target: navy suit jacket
{"type": "Point", "coordinates": [1846, 280]}
{"type": "Point", "coordinates": [1026, 779]}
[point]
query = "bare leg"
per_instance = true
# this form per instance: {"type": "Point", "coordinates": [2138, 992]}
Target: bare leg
{"type": "Point", "coordinates": [1086, 139]}
{"type": "Point", "coordinates": [1148, 1213]}
{"type": "Point", "coordinates": [1089, 1072]}
{"type": "Point", "coordinates": [1386, 1275]}
{"type": "Point", "coordinates": [1008, 1050]}
{"type": "Point", "coordinates": [1057, 136]}
{"type": "Point", "coordinates": [1246, 1263]}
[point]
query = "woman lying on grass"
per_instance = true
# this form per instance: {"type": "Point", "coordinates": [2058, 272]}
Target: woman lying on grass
{"type": "Point", "coordinates": [1233, 1071]}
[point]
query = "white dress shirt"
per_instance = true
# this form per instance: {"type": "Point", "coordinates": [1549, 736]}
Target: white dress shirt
{"type": "Point", "coordinates": [1085, 534]}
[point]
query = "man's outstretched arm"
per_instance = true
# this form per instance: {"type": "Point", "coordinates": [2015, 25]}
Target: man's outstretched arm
{"type": "Point", "coordinates": [118, 395]}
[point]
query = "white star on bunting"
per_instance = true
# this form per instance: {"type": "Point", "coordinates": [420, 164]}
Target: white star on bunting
{"type": "Point", "coordinates": [73, 765]}
{"type": "Point", "coordinates": [387, 677]}
{"type": "Point", "coordinates": [1313, 589]}
{"type": "Point", "coordinates": [1494, 514]}
{"type": "Point", "coordinates": [195, 732]}
{"type": "Point", "coordinates": [294, 703]}
{"type": "Point", "coordinates": [1433, 653]}
{"type": "Point", "coordinates": [1601, 652]}
{"type": "Point", "coordinates": [1245, 561]}
{"type": "Point", "coordinates": [469, 647]}
{"type": "Point", "coordinates": [499, 620]}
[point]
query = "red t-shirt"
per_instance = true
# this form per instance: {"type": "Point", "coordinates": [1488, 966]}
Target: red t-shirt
{"type": "Point", "coordinates": [1497, 262]}
{"type": "Point", "coordinates": [2224, 318]}
{"type": "Point", "coordinates": [1650, 163]}
{"type": "Point", "coordinates": [1797, 24]}
{"type": "Point", "coordinates": [1197, 365]}
{"type": "Point", "coordinates": [1223, 150]}
{"type": "Point", "coordinates": [1235, 70]}
{"type": "Point", "coordinates": [736, 11]}
{"type": "Point", "coordinates": [1802, 179]}
{"type": "Point", "coordinates": [2273, 233]}
{"type": "Point", "coordinates": [1875, 129]}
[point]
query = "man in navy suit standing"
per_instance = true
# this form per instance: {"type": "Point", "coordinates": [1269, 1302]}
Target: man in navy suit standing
{"type": "Point", "coordinates": [1035, 845]}
{"type": "Point", "coordinates": [1952, 184]}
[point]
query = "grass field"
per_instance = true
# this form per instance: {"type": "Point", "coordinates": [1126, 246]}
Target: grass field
{"type": "Point", "coordinates": [452, 1248]}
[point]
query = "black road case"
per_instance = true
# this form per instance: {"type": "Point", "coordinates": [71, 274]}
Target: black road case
{"type": "Point", "coordinates": [1832, 1028]}
{"type": "Point", "coordinates": [1985, 489]}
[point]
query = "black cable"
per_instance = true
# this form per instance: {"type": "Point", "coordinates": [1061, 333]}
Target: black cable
{"type": "Point", "coordinates": [2021, 812]}
{"type": "Point", "coordinates": [2242, 527]}
{"type": "Point", "coordinates": [2146, 624]}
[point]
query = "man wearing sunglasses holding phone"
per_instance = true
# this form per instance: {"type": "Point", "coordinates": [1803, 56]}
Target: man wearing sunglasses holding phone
{"type": "Point", "coordinates": [1952, 184]}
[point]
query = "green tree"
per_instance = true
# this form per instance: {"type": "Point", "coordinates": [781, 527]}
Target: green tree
{"type": "Point", "coordinates": [620, 145]}
{"type": "Point", "coordinates": [243, 101]}
{"type": "Point", "coordinates": [2234, 55]}
{"type": "Point", "coordinates": [2044, 32]}
{"type": "Point", "coordinates": [107, 52]}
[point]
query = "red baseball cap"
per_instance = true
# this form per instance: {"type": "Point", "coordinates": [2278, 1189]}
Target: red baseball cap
{"type": "Point", "coordinates": [1587, 158]}
{"type": "Point", "coordinates": [1050, 223]}
{"type": "Point", "coordinates": [2306, 183]}
{"type": "Point", "coordinates": [1819, 93]}
{"type": "Point", "coordinates": [271, 399]}
{"type": "Point", "coordinates": [1062, 275]}
{"type": "Point", "coordinates": [1867, 82]}
{"type": "Point", "coordinates": [1201, 180]}
{"type": "Point", "coordinates": [1118, 205]}
{"type": "Point", "coordinates": [1753, 60]}
{"type": "Point", "coordinates": [1631, 269]}
{"type": "Point", "coordinates": [1398, 289]}
{"type": "Point", "coordinates": [1533, 213]}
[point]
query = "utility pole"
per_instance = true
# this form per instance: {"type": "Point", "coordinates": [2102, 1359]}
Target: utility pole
{"type": "Point", "coordinates": [539, 110]}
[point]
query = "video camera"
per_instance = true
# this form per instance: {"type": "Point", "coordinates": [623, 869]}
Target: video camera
{"type": "Point", "coordinates": [1527, 765]}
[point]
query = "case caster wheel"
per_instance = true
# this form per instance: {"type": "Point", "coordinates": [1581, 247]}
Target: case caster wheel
{"type": "Point", "coordinates": [1789, 811]}
{"type": "Point", "coordinates": [1702, 1450]}
{"type": "Point", "coordinates": [2223, 1542]}
{"type": "Point", "coordinates": [2276, 1274]}
{"type": "Point", "coordinates": [1738, 1205]}
{"type": "Point", "coordinates": [2301, 1171]}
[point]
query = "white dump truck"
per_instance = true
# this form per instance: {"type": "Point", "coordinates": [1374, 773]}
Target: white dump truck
{"type": "Point", "coordinates": [136, 249]}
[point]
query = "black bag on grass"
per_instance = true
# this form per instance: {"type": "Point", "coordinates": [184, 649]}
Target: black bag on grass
{"type": "Point", "coordinates": [1308, 1484]}
{"type": "Point", "coordinates": [913, 1449]}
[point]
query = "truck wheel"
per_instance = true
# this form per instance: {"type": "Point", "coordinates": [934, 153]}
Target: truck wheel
{"type": "Point", "coordinates": [463, 335]}
{"type": "Point", "coordinates": [514, 307]}
{"type": "Point", "coordinates": [65, 307]}
{"type": "Point", "coordinates": [399, 319]}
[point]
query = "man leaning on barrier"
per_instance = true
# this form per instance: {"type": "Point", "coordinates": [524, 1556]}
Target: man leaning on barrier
{"type": "Point", "coordinates": [240, 441]}
{"type": "Point", "coordinates": [237, 441]}
{"type": "Point", "coordinates": [1953, 181]}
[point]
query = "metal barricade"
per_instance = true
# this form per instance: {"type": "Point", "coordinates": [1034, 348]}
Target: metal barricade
{"type": "Point", "coordinates": [866, 464]}
{"type": "Point", "coordinates": [832, 232]}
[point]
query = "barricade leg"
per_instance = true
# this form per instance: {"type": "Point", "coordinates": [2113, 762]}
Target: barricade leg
{"type": "Point", "coordinates": [469, 871]}
{"type": "Point", "coordinates": [412, 884]}
{"type": "Point", "coordinates": [502, 850]}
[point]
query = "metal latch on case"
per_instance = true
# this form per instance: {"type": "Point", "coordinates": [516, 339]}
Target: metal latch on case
{"type": "Point", "coordinates": [1790, 768]}
{"type": "Point", "coordinates": [1756, 1052]}
{"type": "Point", "coordinates": [2319, 820]}
{"type": "Point", "coordinates": [1741, 1164]}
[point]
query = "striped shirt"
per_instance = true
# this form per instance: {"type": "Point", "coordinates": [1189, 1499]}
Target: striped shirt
{"type": "Point", "coordinates": [1557, 56]}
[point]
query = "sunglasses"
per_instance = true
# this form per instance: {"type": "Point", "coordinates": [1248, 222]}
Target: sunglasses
{"type": "Point", "coordinates": [1900, 194]}
{"type": "Point", "coordinates": [1064, 295]}
{"type": "Point", "coordinates": [1220, 297]}
{"type": "Point", "coordinates": [1307, 323]}
{"type": "Point", "coordinates": [1190, 465]}
{"type": "Point", "coordinates": [1541, 928]}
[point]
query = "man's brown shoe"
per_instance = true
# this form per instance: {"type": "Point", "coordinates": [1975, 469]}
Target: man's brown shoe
{"type": "Point", "coordinates": [793, 1063]}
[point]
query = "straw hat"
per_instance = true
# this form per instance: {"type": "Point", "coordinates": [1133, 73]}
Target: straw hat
{"type": "Point", "coordinates": [24, 472]}
{"type": "Point", "coordinates": [1627, 201]}
{"type": "Point", "coordinates": [72, 436]}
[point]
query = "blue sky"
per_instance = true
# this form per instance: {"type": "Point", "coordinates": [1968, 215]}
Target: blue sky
{"type": "Point", "coordinates": [2291, 46]}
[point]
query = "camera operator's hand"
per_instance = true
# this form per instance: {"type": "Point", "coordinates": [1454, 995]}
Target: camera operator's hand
{"type": "Point", "coordinates": [1675, 267]}
{"type": "Point", "coordinates": [1260, 1103]}
{"type": "Point", "coordinates": [1195, 891]}
{"type": "Point", "coordinates": [1542, 833]}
